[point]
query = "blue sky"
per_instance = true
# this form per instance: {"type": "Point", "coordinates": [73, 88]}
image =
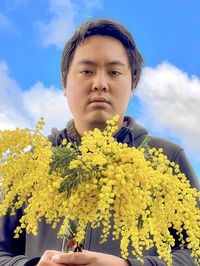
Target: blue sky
{"type": "Point", "coordinates": [167, 100]}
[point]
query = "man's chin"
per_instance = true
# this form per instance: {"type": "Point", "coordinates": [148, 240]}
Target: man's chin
{"type": "Point", "coordinates": [100, 117]}
{"type": "Point", "coordinates": [98, 120]}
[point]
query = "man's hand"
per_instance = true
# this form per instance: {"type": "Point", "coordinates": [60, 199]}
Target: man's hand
{"type": "Point", "coordinates": [46, 259]}
{"type": "Point", "coordinates": [87, 258]}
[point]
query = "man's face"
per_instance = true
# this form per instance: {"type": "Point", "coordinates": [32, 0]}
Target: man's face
{"type": "Point", "coordinates": [98, 83]}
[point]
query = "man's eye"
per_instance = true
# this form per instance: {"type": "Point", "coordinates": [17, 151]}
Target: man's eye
{"type": "Point", "coordinates": [114, 73]}
{"type": "Point", "coordinates": [86, 72]}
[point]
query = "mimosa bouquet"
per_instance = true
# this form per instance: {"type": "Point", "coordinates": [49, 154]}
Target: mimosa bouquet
{"type": "Point", "coordinates": [138, 189]}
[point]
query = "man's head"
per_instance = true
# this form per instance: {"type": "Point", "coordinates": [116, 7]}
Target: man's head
{"type": "Point", "coordinates": [103, 27]}
{"type": "Point", "coordinates": [100, 67]}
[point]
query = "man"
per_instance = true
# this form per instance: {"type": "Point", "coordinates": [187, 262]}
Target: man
{"type": "Point", "coordinates": [100, 69]}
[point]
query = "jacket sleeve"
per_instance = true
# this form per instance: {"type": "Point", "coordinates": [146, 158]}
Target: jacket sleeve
{"type": "Point", "coordinates": [179, 256]}
{"type": "Point", "coordinates": [12, 250]}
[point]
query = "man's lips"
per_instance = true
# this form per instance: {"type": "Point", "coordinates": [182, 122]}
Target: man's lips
{"type": "Point", "coordinates": [99, 99]}
{"type": "Point", "coordinates": [99, 102]}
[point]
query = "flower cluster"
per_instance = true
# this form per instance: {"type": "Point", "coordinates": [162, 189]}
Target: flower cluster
{"type": "Point", "coordinates": [140, 190]}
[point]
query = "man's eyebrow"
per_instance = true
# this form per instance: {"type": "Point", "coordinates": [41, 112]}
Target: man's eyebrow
{"type": "Point", "coordinates": [86, 62]}
{"type": "Point", "coordinates": [91, 63]}
{"type": "Point", "coordinates": [117, 63]}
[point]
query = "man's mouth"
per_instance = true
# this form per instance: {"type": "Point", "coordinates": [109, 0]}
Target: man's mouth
{"type": "Point", "coordinates": [99, 99]}
{"type": "Point", "coordinates": [99, 102]}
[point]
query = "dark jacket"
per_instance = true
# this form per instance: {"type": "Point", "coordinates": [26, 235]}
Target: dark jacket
{"type": "Point", "coordinates": [27, 249]}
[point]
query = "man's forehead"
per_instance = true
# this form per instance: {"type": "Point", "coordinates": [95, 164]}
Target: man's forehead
{"type": "Point", "coordinates": [100, 49]}
{"type": "Point", "coordinates": [99, 40]}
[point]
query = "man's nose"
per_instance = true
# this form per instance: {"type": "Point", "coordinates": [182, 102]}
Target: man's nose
{"type": "Point", "coordinates": [100, 82]}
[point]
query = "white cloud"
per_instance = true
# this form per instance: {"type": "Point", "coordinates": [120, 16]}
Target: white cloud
{"type": "Point", "coordinates": [64, 13]}
{"type": "Point", "coordinates": [170, 101]}
{"type": "Point", "coordinates": [60, 27]}
{"type": "Point", "coordinates": [49, 103]}
{"type": "Point", "coordinates": [20, 108]}
{"type": "Point", "coordinates": [11, 107]}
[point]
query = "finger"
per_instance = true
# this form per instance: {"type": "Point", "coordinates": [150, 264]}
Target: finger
{"type": "Point", "coordinates": [46, 259]}
{"type": "Point", "coordinates": [78, 258]}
